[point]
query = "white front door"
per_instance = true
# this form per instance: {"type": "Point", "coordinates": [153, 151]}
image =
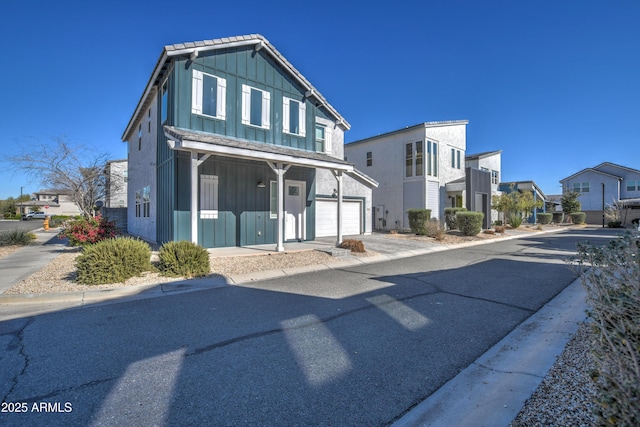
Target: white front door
{"type": "Point", "coordinates": [294, 218]}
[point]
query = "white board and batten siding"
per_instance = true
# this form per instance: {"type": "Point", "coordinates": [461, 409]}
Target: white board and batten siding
{"type": "Point", "coordinates": [327, 214]}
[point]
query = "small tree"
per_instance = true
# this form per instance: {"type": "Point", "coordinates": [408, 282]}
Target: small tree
{"type": "Point", "coordinates": [570, 203]}
{"type": "Point", "coordinates": [515, 203]}
{"type": "Point", "coordinates": [70, 169]}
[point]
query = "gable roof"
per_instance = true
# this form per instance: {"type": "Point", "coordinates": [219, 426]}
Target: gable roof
{"type": "Point", "coordinates": [591, 170]}
{"type": "Point", "coordinates": [192, 50]}
{"type": "Point", "coordinates": [616, 166]}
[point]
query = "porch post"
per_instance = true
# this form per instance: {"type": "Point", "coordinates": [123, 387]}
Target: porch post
{"type": "Point", "coordinates": [279, 170]}
{"type": "Point", "coordinates": [338, 176]}
{"type": "Point", "coordinates": [194, 197]}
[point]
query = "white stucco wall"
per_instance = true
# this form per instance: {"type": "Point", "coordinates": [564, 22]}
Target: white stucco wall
{"type": "Point", "coordinates": [593, 199]}
{"type": "Point", "coordinates": [326, 182]}
{"type": "Point", "coordinates": [142, 173]}
{"type": "Point", "coordinates": [388, 166]}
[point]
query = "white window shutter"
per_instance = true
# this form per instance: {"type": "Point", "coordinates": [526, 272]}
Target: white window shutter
{"type": "Point", "coordinates": [221, 112]}
{"type": "Point", "coordinates": [327, 140]}
{"type": "Point", "coordinates": [246, 104]}
{"type": "Point", "coordinates": [196, 92]}
{"type": "Point", "coordinates": [303, 119]}
{"type": "Point", "coordinates": [266, 110]}
{"type": "Point", "coordinates": [285, 115]}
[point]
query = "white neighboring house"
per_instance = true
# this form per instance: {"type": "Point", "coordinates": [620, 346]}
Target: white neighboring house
{"type": "Point", "coordinates": [603, 185]}
{"type": "Point", "coordinates": [117, 176]}
{"type": "Point", "coordinates": [51, 202]}
{"type": "Point", "coordinates": [425, 166]}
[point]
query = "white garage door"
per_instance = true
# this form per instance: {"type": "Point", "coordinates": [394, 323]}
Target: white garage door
{"type": "Point", "coordinates": [327, 214]}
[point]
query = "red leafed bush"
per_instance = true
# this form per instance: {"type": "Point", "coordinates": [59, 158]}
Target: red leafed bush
{"type": "Point", "coordinates": [85, 231]}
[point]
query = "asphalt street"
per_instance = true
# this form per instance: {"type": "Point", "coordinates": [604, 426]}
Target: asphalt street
{"type": "Point", "coordinates": [350, 347]}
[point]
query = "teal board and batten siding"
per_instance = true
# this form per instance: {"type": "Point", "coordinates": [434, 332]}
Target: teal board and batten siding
{"type": "Point", "coordinates": [165, 170]}
{"type": "Point", "coordinates": [243, 207]}
{"type": "Point", "coordinates": [243, 66]}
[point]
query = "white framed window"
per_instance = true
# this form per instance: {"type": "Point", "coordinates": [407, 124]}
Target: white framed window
{"type": "Point", "coordinates": [581, 187]}
{"type": "Point", "coordinates": [138, 204]}
{"type": "Point", "coordinates": [256, 107]}
{"type": "Point", "coordinates": [432, 158]}
{"type": "Point", "coordinates": [208, 196]}
{"type": "Point", "coordinates": [323, 139]}
{"type": "Point", "coordinates": [455, 158]}
{"type": "Point", "coordinates": [208, 95]}
{"type": "Point", "coordinates": [293, 117]}
{"type": "Point", "coordinates": [495, 177]}
{"type": "Point", "coordinates": [414, 159]}
{"type": "Point", "coordinates": [631, 185]}
{"type": "Point", "coordinates": [369, 158]}
{"type": "Point", "coordinates": [273, 199]}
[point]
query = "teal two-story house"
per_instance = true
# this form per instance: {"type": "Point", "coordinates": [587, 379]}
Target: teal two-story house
{"type": "Point", "coordinates": [230, 145]}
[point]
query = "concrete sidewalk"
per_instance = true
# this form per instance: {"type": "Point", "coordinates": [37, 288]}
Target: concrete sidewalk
{"type": "Point", "coordinates": [490, 392]}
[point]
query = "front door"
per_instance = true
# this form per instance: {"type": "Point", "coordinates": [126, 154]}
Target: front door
{"type": "Point", "coordinates": [294, 218]}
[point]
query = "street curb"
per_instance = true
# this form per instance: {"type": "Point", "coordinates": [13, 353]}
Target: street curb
{"type": "Point", "coordinates": [493, 389]}
{"type": "Point", "coordinates": [191, 285]}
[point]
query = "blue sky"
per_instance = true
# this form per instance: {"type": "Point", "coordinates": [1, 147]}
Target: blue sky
{"type": "Point", "coordinates": [554, 84]}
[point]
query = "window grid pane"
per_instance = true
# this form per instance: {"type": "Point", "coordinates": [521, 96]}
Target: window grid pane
{"type": "Point", "coordinates": [209, 95]}
{"type": "Point", "coordinates": [256, 107]}
{"type": "Point", "coordinates": [408, 159]}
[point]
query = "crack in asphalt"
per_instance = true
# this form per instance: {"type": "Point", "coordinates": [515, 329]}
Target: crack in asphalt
{"type": "Point", "coordinates": [19, 336]}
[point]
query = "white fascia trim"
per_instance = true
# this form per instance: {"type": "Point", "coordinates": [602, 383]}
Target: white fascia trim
{"type": "Point", "coordinates": [242, 153]}
{"type": "Point", "coordinates": [189, 51]}
{"type": "Point", "coordinates": [363, 178]}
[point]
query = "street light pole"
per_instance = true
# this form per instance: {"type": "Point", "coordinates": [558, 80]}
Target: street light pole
{"type": "Point", "coordinates": [603, 205]}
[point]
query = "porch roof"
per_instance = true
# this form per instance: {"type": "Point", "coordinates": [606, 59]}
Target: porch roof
{"type": "Point", "coordinates": [209, 143]}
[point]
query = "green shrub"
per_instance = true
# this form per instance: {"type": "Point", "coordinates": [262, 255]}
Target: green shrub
{"type": "Point", "coordinates": [450, 217]}
{"type": "Point", "coordinates": [113, 261]}
{"type": "Point", "coordinates": [497, 222]}
{"type": "Point", "coordinates": [83, 231]}
{"type": "Point", "coordinates": [515, 220]}
{"type": "Point", "coordinates": [558, 217]}
{"type": "Point", "coordinates": [353, 245]}
{"type": "Point", "coordinates": [578, 217]}
{"type": "Point", "coordinates": [16, 237]}
{"type": "Point", "coordinates": [613, 294]}
{"type": "Point", "coordinates": [57, 220]}
{"type": "Point", "coordinates": [614, 224]}
{"type": "Point", "coordinates": [183, 259]}
{"type": "Point", "coordinates": [470, 223]}
{"type": "Point", "coordinates": [544, 218]}
{"type": "Point", "coordinates": [418, 219]}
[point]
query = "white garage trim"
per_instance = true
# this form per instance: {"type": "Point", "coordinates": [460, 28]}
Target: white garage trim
{"type": "Point", "coordinates": [326, 217]}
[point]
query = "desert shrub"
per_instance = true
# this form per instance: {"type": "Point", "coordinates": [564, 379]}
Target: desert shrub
{"type": "Point", "coordinates": [353, 245]}
{"type": "Point", "coordinates": [183, 259]}
{"type": "Point", "coordinates": [578, 217]}
{"type": "Point", "coordinates": [112, 261]}
{"type": "Point", "coordinates": [499, 229]}
{"type": "Point", "coordinates": [557, 217]}
{"type": "Point", "coordinates": [470, 223]}
{"type": "Point", "coordinates": [434, 229]}
{"type": "Point", "coordinates": [613, 294]}
{"type": "Point", "coordinates": [515, 220]}
{"type": "Point", "coordinates": [450, 217]}
{"type": "Point", "coordinates": [83, 231]}
{"type": "Point", "coordinates": [497, 222]}
{"type": "Point", "coordinates": [418, 219]}
{"type": "Point", "coordinates": [614, 224]}
{"type": "Point", "coordinates": [544, 218]}
{"type": "Point", "coordinates": [57, 220]}
{"type": "Point", "coordinates": [16, 237]}
{"type": "Point", "coordinates": [635, 221]}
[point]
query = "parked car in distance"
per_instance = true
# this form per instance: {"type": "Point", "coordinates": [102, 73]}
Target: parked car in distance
{"type": "Point", "coordinates": [34, 215]}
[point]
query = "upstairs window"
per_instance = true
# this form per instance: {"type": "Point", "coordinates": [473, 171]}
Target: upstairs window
{"type": "Point", "coordinates": [208, 95]}
{"type": "Point", "coordinates": [432, 158]}
{"type": "Point", "coordinates": [139, 137]}
{"type": "Point", "coordinates": [581, 187]}
{"type": "Point", "coordinates": [408, 159]}
{"type": "Point", "coordinates": [256, 107]}
{"type": "Point", "coordinates": [369, 158]}
{"type": "Point", "coordinates": [495, 178]}
{"type": "Point", "coordinates": [455, 158]}
{"type": "Point", "coordinates": [165, 100]}
{"type": "Point", "coordinates": [414, 152]}
{"type": "Point", "coordinates": [323, 139]}
{"type": "Point", "coordinates": [293, 117]}
{"type": "Point", "coordinates": [631, 185]}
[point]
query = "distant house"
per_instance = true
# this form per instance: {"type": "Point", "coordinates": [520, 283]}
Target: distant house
{"type": "Point", "coordinates": [51, 202]}
{"type": "Point", "coordinates": [603, 185]}
{"type": "Point", "coordinates": [530, 186]}
{"type": "Point", "coordinates": [424, 166]}
{"type": "Point", "coordinates": [230, 145]}
{"type": "Point", "coordinates": [117, 176]}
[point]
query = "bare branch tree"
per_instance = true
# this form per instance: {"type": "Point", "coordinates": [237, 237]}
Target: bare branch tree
{"type": "Point", "coordinates": [74, 170]}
